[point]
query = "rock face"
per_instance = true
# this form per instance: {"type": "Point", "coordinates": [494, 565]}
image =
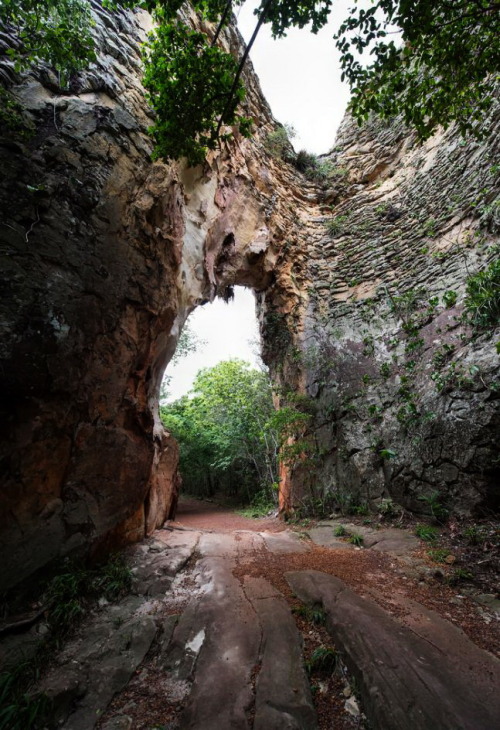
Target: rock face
{"type": "Point", "coordinates": [105, 254]}
{"type": "Point", "coordinates": [403, 394]}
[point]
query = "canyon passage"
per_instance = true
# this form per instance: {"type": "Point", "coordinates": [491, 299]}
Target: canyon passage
{"type": "Point", "coordinates": [376, 285]}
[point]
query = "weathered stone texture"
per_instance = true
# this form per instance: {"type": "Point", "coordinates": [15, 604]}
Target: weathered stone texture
{"type": "Point", "coordinates": [406, 393]}
{"type": "Point", "coordinates": [104, 255]}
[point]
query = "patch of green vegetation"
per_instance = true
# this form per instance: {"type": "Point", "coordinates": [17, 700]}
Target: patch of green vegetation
{"type": "Point", "coordinates": [68, 595]}
{"type": "Point", "coordinates": [387, 454]}
{"type": "Point", "coordinates": [71, 591]}
{"type": "Point", "coordinates": [324, 660]}
{"type": "Point", "coordinates": [438, 555]}
{"type": "Point", "coordinates": [450, 298]}
{"type": "Point", "coordinates": [482, 300]}
{"type": "Point", "coordinates": [434, 503]}
{"type": "Point", "coordinates": [385, 370]}
{"type": "Point", "coordinates": [314, 614]}
{"type": "Point", "coordinates": [426, 533]}
{"type": "Point", "coordinates": [20, 710]}
{"type": "Point", "coordinates": [442, 354]}
{"type": "Point", "coordinates": [474, 535]}
{"type": "Point", "coordinates": [356, 539]}
{"type": "Point", "coordinates": [459, 575]}
{"type": "Point", "coordinates": [277, 142]}
{"type": "Point", "coordinates": [340, 531]}
{"type": "Point", "coordinates": [337, 225]}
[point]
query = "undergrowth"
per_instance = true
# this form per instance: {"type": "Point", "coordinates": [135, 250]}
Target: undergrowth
{"type": "Point", "coordinates": [67, 597]}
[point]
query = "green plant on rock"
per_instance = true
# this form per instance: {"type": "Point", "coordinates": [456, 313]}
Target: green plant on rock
{"type": "Point", "coordinates": [385, 370]}
{"type": "Point", "coordinates": [57, 31]}
{"type": "Point", "coordinates": [356, 539]}
{"type": "Point", "coordinates": [324, 660]}
{"type": "Point", "coordinates": [314, 614]}
{"type": "Point", "coordinates": [188, 81]}
{"type": "Point", "coordinates": [387, 508]}
{"type": "Point", "coordinates": [19, 708]}
{"type": "Point", "coordinates": [387, 454]}
{"type": "Point", "coordinates": [278, 142]}
{"type": "Point", "coordinates": [426, 533]}
{"type": "Point", "coordinates": [442, 355]}
{"type": "Point", "coordinates": [482, 300]}
{"type": "Point", "coordinates": [450, 298]}
{"type": "Point", "coordinates": [339, 531]}
{"type": "Point", "coordinates": [337, 225]}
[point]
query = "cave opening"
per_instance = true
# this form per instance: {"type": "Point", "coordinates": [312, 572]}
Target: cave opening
{"type": "Point", "coordinates": [217, 402]}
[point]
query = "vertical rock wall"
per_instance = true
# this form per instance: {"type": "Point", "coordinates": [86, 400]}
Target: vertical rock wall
{"type": "Point", "coordinates": [404, 395]}
{"type": "Point", "coordinates": [104, 255]}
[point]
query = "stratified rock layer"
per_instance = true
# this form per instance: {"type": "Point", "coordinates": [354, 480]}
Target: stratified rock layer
{"type": "Point", "coordinates": [403, 392]}
{"type": "Point", "coordinates": [104, 255]}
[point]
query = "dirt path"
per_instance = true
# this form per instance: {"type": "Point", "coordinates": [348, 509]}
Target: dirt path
{"type": "Point", "coordinates": [239, 624]}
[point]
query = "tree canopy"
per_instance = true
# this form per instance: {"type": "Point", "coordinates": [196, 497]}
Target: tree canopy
{"type": "Point", "coordinates": [225, 431]}
{"type": "Point", "coordinates": [433, 62]}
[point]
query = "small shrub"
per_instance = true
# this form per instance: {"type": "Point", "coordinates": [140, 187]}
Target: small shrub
{"type": "Point", "coordinates": [278, 144]}
{"type": "Point", "coordinates": [433, 502]}
{"type": "Point", "coordinates": [449, 298]}
{"type": "Point", "coordinates": [337, 225]}
{"type": "Point", "coordinates": [385, 370]}
{"type": "Point", "coordinates": [314, 614]}
{"type": "Point", "coordinates": [474, 535]}
{"type": "Point", "coordinates": [356, 539]}
{"type": "Point", "coordinates": [458, 576]}
{"type": "Point", "coordinates": [387, 454]}
{"type": "Point", "coordinates": [324, 660]}
{"type": "Point", "coordinates": [387, 508]}
{"type": "Point", "coordinates": [426, 533]}
{"type": "Point", "coordinates": [339, 531]}
{"type": "Point", "coordinates": [482, 301]}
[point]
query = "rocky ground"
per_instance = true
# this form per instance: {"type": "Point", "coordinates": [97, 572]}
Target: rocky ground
{"type": "Point", "coordinates": [241, 623]}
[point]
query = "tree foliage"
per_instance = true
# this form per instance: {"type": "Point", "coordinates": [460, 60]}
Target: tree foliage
{"type": "Point", "coordinates": [443, 68]}
{"type": "Point", "coordinates": [225, 431]}
{"type": "Point", "coordinates": [55, 31]}
{"type": "Point", "coordinates": [434, 62]}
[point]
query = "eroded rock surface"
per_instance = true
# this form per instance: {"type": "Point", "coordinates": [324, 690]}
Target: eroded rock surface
{"type": "Point", "coordinates": [424, 675]}
{"type": "Point", "coordinates": [106, 253]}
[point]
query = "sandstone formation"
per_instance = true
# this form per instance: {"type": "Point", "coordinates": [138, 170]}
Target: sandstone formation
{"type": "Point", "coordinates": [105, 254]}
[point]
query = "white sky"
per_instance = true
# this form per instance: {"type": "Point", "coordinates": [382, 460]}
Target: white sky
{"type": "Point", "coordinates": [230, 331]}
{"type": "Point", "coordinates": [300, 78]}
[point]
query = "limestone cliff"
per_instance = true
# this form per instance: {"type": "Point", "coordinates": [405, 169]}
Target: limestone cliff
{"type": "Point", "coordinates": [104, 255]}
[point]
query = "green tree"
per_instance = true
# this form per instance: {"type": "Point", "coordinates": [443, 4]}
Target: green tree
{"type": "Point", "coordinates": [189, 343]}
{"type": "Point", "coordinates": [443, 67]}
{"type": "Point", "coordinates": [225, 432]}
{"type": "Point", "coordinates": [56, 31]}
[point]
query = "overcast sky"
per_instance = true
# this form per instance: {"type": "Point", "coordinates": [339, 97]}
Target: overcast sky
{"type": "Point", "coordinates": [300, 78]}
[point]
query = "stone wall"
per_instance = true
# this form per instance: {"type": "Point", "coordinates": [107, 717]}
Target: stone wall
{"type": "Point", "coordinates": [405, 394]}
{"type": "Point", "coordinates": [104, 254]}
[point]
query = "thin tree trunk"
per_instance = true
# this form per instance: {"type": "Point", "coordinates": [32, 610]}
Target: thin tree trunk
{"type": "Point", "coordinates": [262, 17]}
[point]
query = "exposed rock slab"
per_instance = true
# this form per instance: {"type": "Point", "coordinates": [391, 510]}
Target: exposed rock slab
{"type": "Point", "coordinates": [408, 680]}
{"type": "Point", "coordinates": [390, 540]}
{"type": "Point", "coordinates": [283, 696]}
{"type": "Point", "coordinates": [99, 663]}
